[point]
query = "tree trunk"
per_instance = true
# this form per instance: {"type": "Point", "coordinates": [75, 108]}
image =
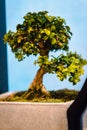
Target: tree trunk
{"type": "Point", "coordinates": [37, 89]}
{"type": "Point", "coordinates": [76, 110]}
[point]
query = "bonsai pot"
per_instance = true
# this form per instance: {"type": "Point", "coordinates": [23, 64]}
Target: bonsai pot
{"type": "Point", "coordinates": [34, 116]}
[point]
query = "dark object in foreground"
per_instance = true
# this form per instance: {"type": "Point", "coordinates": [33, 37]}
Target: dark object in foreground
{"type": "Point", "coordinates": [77, 108]}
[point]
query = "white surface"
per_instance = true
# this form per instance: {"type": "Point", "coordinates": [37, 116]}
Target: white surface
{"type": "Point", "coordinates": [35, 116]}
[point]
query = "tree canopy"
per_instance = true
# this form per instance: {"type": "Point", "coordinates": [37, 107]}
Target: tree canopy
{"type": "Point", "coordinates": [40, 34]}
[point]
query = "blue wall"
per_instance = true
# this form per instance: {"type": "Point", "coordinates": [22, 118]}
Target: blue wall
{"type": "Point", "coordinates": [3, 50]}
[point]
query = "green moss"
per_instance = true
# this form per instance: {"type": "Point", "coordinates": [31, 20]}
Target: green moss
{"type": "Point", "coordinates": [57, 96]}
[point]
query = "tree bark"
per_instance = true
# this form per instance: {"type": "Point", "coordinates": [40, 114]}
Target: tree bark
{"type": "Point", "coordinates": [38, 80]}
{"type": "Point", "coordinates": [37, 87]}
{"type": "Point", "coordinates": [76, 110]}
{"type": "Point", "coordinates": [37, 84]}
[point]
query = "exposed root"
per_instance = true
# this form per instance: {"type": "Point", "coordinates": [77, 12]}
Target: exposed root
{"type": "Point", "coordinates": [33, 93]}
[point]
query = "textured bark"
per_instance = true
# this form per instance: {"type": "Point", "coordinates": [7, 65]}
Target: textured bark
{"type": "Point", "coordinates": [38, 80]}
{"type": "Point", "coordinates": [37, 87]}
{"type": "Point", "coordinates": [44, 48]}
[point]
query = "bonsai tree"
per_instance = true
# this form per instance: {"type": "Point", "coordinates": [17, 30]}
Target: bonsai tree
{"type": "Point", "coordinates": [38, 35]}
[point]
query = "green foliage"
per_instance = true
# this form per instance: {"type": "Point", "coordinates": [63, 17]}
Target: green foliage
{"type": "Point", "coordinates": [38, 31]}
{"type": "Point", "coordinates": [64, 66]}
{"type": "Point", "coordinates": [40, 34]}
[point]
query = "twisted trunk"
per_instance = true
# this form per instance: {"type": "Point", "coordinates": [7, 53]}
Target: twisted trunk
{"type": "Point", "coordinates": [37, 89]}
{"type": "Point", "coordinates": [37, 83]}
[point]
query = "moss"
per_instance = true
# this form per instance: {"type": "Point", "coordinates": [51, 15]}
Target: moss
{"type": "Point", "coordinates": [63, 95]}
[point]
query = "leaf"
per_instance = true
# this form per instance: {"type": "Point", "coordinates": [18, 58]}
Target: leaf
{"type": "Point", "coordinates": [19, 56]}
{"type": "Point", "coordinates": [30, 29]}
{"type": "Point", "coordinates": [46, 31]}
{"type": "Point", "coordinates": [53, 41]}
{"type": "Point", "coordinates": [19, 39]}
{"type": "Point", "coordinates": [53, 28]}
